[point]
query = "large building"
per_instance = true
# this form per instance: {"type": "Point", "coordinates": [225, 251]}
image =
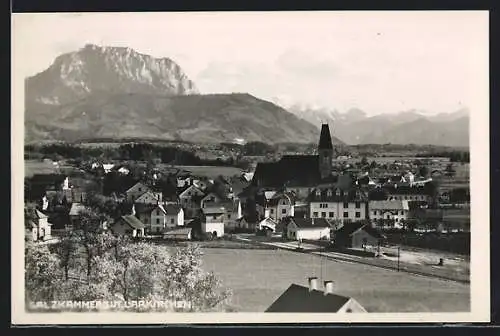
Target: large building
{"type": "Point", "coordinates": [298, 173]}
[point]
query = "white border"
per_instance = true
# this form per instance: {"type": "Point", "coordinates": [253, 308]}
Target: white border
{"type": "Point", "coordinates": [480, 273]}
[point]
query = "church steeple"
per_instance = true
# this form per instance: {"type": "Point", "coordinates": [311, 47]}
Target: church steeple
{"type": "Point", "coordinates": [325, 151]}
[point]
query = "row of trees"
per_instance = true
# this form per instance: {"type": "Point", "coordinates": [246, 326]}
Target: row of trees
{"type": "Point", "coordinates": [90, 264]}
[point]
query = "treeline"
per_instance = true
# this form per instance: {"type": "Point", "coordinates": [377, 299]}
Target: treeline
{"type": "Point", "coordinates": [125, 152]}
{"type": "Point", "coordinates": [454, 156]}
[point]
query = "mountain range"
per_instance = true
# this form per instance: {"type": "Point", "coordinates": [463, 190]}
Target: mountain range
{"type": "Point", "coordinates": [407, 127]}
{"type": "Point", "coordinates": [116, 93]}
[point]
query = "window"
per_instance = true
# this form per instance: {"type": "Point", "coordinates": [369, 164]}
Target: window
{"type": "Point", "coordinates": [329, 193]}
{"type": "Point", "coordinates": [283, 202]}
{"type": "Point", "coordinates": [315, 214]}
{"type": "Point", "coordinates": [157, 221]}
{"type": "Point", "coordinates": [388, 216]}
{"type": "Point", "coordinates": [172, 220]}
{"type": "Point", "coordinates": [358, 214]}
{"type": "Point", "coordinates": [346, 205]}
{"type": "Point", "coordinates": [374, 212]}
{"type": "Point", "coordinates": [140, 189]}
{"type": "Point", "coordinates": [323, 214]}
{"type": "Point", "coordinates": [157, 229]}
{"type": "Point", "coordinates": [189, 193]}
{"type": "Point", "coordinates": [358, 205]}
{"type": "Point", "coordinates": [158, 212]}
{"type": "Point", "coordinates": [402, 213]}
{"type": "Point", "coordinates": [318, 192]}
{"type": "Point", "coordinates": [272, 211]}
{"type": "Point", "coordinates": [283, 211]}
{"type": "Point", "coordinates": [331, 214]}
{"type": "Point", "coordinates": [346, 214]}
{"type": "Point", "coordinates": [215, 217]}
{"type": "Point", "coordinates": [337, 192]}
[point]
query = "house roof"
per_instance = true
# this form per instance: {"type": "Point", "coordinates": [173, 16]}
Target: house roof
{"type": "Point", "coordinates": [172, 209]}
{"type": "Point", "coordinates": [389, 205]}
{"type": "Point", "coordinates": [39, 214]}
{"type": "Point", "coordinates": [325, 138]}
{"type": "Point", "coordinates": [137, 185]}
{"type": "Point", "coordinates": [147, 197]}
{"type": "Point", "coordinates": [349, 229]}
{"type": "Point", "coordinates": [213, 210]}
{"type": "Point", "coordinates": [405, 189]}
{"type": "Point", "coordinates": [310, 223]}
{"type": "Point", "coordinates": [76, 208]}
{"type": "Point", "coordinates": [133, 221]}
{"type": "Point", "coordinates": [298, 299]}
{"type": "Point", "coordinates": [279, 196]}
{"type": "Point", "coordinates": [337, 194]}
{"type": "Point", "coordinates": [183, 232]}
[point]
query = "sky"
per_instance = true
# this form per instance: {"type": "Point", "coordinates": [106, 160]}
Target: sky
{"type": "Point", "coordinates": [380, 62]}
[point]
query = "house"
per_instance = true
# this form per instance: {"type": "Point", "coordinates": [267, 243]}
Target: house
{"type": "Point", "coordinates": [183, 181]}
{"type": "Point", "coordinates": [39, 227]}
{"type": "Point", "coordinates": [178, 234]}
{"type": "Point", "coordinates": [279, 206]}
{"type": "Point", "coordinates": [74, 213]}
{"type": "Point", "coordinates": [306, 228]}
{"type": "Point", "coordinates": [357, 235]}
{"type": "Point", "coordinates": [136, 190]}
{"type": "Point", "coordinates": [128, 225]}
{"type": "Point", "coordinates": [107, 167]}
{"type": "Point", "coordinates": [212, 221]}
{"type": "Point", "coordinates": [300, 299]}
{"type": "Point", "coordinates": [390, 214]}
{"type": "Point", "coordinates": [174, 215]}
{"type": "Point", "coordinates": [190, 199]}
{"type": "Point", "coordinates": [335, 203]}
{"type": "Point", "coordinates": [123, 170]}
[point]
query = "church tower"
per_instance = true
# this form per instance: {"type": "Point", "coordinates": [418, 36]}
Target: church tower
{"type": "Point", "coordinates": [325, 151]}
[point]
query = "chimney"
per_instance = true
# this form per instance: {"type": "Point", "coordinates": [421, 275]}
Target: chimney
{"type": "Point", "coordinates": [328, 287]}
{"type": "Point", "coordinates": [313, 283]}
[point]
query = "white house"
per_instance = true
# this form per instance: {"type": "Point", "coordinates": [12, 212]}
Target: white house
{"type": "Point", "coordinates": [279, 206]}
{"type": "Point", "coordinates": [306, 228]}
{"type": "Point", "coordinates": [213, 221]}
{"type": "Point", "coordinates": [338, 204]}
{"type": "Point", "coordinates": [40, 229]}
{"type": "Point", "coordinates": [123, 170]}
{"type": "Point", "coordinates": [128, 225]}
{"type": "Point", "coordinates": [395, 211]}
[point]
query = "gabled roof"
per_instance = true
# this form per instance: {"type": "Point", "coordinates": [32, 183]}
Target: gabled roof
{"type": "Point", "coordinates": [389, 205]}
{"type": "Point", "coordinates": [177, 232]}
{"type": "Point", "coordinates": [133, 221]}
{"type": "Point", "coordinates": [299, 299]}
{"type": "Point", "coordinates": [136, 186]}
{"type": "Point", "coordinates": [147, 197]}
{"type": "Point", "coordinates": [349, 229]}
{"type": "Point", "coordinates": [279, 196]}
{"type": "Point", "coordinates": [40, 215]}
{"type": "Point", "coordinates": [310, 223]}
{"type": "Point", "coordinates": [76, 208]}
{"type": "Point", "coordinates": [405, 189]}
{"type": "Point", "coordinates": [291, 170]}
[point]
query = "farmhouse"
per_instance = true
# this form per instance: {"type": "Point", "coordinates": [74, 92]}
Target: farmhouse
{"type": "Point", "coordinates": [389, 214]}
{"type": "Point", "coordinates": [39, 227]}
{"type": "Point", "coordinates": [128, 225]}
{"type": "Point", "coordinates": [212, 221]}
{"type": "Point", "coordinates": [136, 190]}
{"type": "Point", "coordinates": [306, 228]}
{"type": "Point", "coordinates": [190, 198]}
{"type": "Point", "coordinates": [357, 235]}
{"type": "Point", "coordinates": [300, 299]}
{"type": "Point", "coordinates": [335, 203]}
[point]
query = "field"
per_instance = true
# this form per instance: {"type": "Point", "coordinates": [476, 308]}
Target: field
{"type": "Point", "coordinates": [258, 277]}
{"type": "Point", "coordinates": [32, 167]}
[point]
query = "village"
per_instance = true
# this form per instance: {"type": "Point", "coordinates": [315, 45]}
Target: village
{"type": "Point", "coordinates": [322, 203]}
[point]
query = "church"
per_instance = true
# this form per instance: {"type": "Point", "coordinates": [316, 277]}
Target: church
{"type": "Point", "coordinates": [299, 173]}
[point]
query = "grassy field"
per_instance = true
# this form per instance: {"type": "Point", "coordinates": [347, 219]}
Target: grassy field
{"type": "Point", "coordinates": [32, 167]}
{"type": "Point", "coordinates": [258, 277]}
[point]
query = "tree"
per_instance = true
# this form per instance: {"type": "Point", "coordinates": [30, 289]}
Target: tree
{"type": "Point", "coordinates": [42, 273]}
{"type": "Point", "coordinates": [423, 171]}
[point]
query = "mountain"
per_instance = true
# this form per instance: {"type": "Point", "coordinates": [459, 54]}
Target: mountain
{"type": "Point", "coordinates": [197, 118]}
{"type": "Point", "coordinates": [92, 69]}
{"type": "Point", "coordinates": [407, 127]}
{"type": "Point", "coordinates": [115, 92]}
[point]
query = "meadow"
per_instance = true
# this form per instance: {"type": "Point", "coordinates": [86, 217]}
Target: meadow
{"type": "Point", "coordinates": [258, 277]}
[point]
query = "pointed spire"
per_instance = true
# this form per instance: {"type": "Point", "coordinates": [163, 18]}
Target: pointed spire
{"type": "Point", "coordinates": [325, 139]}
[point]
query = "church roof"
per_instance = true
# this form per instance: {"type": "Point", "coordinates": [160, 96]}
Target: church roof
{"type": "Point", "coordinates": [291, 170]}
{"type": "Point", "coordinates": [325, 138]}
